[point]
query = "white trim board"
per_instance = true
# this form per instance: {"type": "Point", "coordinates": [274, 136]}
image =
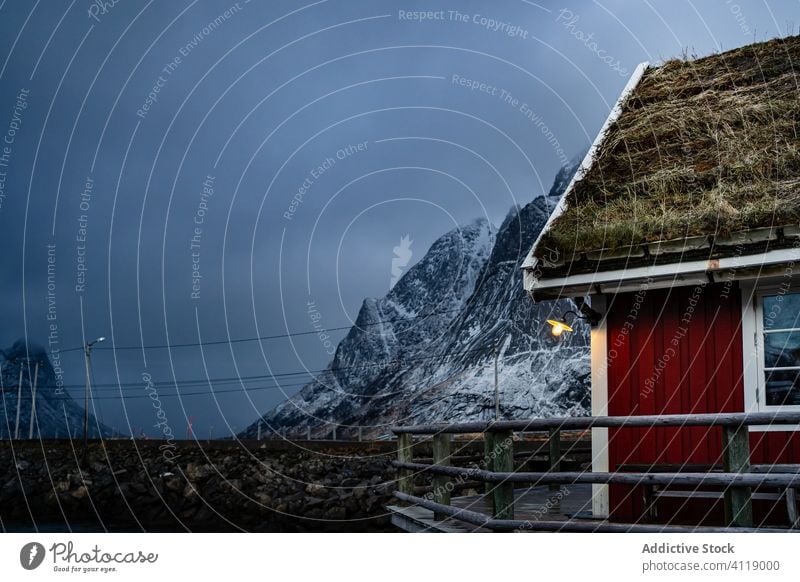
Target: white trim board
{"type": "Point", "coordinates": [599, 391]}
{"type": "Point", "coordinates": [664, 275]}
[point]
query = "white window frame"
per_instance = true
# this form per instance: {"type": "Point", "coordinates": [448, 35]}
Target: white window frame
{"type": "Point", "coordinates": [753, 352]}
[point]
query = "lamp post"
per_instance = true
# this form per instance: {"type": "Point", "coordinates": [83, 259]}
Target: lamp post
{"type": "Point", "coordinates": [87, 350]}
{"type": "Point", "coordinates": [496, 384]}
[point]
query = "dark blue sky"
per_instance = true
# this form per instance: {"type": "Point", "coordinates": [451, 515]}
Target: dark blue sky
{"type": "Point", "coordinates": [203, 170]}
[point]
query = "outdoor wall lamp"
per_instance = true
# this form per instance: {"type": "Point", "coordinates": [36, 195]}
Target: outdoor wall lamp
{"type": "Point", "coordinates": [559, 326]}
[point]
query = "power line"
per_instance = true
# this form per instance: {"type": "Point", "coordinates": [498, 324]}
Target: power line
{"type": "Point", "coordinates": [140, 386]}
{"type": "Point", "coordinates": [386, 364]}
{"type": "Point", "coordinates": [289, 334]}
{"type": "Point", "coordinates": [167, 395]}
{"type": "Point", "coordinates": [396, 363]}
{"type": "Point", "coordinates": [167, 384]}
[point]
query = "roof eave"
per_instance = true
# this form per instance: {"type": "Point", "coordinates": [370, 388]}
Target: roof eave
{"type": "Point", "coordinates": [763, 265]}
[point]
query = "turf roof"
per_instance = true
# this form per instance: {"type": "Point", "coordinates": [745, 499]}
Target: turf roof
{"type": "Point", "coordinates": [701, 147]}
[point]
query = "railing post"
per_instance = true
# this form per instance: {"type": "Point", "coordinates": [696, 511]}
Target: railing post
{"type": "Point", "coordinates": [503, 454]}
{"type": "Point", "coordinates": [791, 507]}
{"type": "Point", "coordinates": [554, 442]}
{"type": "Point", "coordinates": [488, 446]}
{"type": "Point", "coordinates": [736, 459]}
{"type": "Point", "coordinates": [441, 456]}
{"type": "Point", "coordinates": [405, 454]}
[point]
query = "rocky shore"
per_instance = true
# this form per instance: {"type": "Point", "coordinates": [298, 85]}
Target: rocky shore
{"type": "Point", "coordinates": [135, 486]}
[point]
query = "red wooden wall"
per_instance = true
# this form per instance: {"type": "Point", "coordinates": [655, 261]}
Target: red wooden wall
{"type": "Point", "coordinates": [678, 351]}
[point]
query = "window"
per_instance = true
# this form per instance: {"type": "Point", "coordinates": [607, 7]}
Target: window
{"type": "Point", "coordinates": [778, 343]}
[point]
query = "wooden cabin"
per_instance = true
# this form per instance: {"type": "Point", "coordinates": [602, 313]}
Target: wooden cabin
{"type": "Point", "coordinates": [679, 238]}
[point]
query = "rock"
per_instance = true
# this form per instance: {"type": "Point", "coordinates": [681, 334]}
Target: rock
{"type": "Point", "coordinates": [79, 493]}
{"type": "Point", "coordinates": [316, 490]}
{"type": "Point", "coordinates": [231, 485]}
{"type": "Point", "coordinates": [310, 502]}
{"type": "Point", "coordinates": [10, 490]}
{"type": "Point", "coordinates": [199, 472]}
{"type": "Point", "coordinates": [187, 514]}
{"type": "Point", "coordinates": [204, 514]}
{"type": "Point", "coordinates": [336, 513]}
{"type": "Point", "coordinates": [189, 492]}
{"type": "Point", "coordinates": [352, 505]}
{"type": "Point", "coordinates": [138, 488]}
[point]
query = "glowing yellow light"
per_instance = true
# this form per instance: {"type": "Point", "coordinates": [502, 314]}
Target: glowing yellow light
{"type": "Point", "coordinates": [558, 327]}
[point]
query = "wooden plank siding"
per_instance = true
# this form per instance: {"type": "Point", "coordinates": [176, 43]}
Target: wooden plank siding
{"type": "Point", "coordinates": [688, 342]}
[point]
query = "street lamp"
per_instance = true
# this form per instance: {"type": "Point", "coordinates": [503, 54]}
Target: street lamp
{"type": "Point", "coordinates": [87, 350]}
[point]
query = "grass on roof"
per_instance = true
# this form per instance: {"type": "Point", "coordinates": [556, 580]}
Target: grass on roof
{"type": "Point", "coordinates": [701, 147]}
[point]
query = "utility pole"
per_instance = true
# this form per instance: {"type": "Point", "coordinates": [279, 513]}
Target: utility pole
{"type": "Point", "coordinates": [19, 402]}
{"type": "Point", "coordinates": [33, 399]}
{"type": "Point", "coordinates": [87, 351]}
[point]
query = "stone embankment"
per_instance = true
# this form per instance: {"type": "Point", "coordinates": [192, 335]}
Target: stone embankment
{"type": "Point", "coordinates": [134, 486]}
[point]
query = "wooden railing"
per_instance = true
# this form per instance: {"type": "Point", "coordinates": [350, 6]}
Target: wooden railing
{"type": "Point", "coordinates": [500, 476]}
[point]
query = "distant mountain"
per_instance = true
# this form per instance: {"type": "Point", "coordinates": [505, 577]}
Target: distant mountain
{"type": "Point", "coordinates": [57, 414]}
{"type": "Point", "coordinates": [434, 358]}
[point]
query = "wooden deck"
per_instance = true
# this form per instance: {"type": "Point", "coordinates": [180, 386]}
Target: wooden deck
{"type": "Point", "coordinates": [533, 503]}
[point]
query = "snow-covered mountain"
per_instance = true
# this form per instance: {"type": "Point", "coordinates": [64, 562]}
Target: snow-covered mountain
{"type": "Point", "coordinates": [57, 414]}
{"type": "Point", "coordinates": [431, 357]}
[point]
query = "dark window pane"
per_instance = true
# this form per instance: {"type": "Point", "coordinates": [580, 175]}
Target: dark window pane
{"type": "Point", "coordinates": [782, 311]}
{"type": "Point", "coordinates": [783, 388]}
{"type": "Point", "coordinates": [782, 349]}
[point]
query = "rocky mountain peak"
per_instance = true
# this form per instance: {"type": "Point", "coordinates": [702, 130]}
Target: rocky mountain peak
{"type": "Point", "coordinates": [431, 357]}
